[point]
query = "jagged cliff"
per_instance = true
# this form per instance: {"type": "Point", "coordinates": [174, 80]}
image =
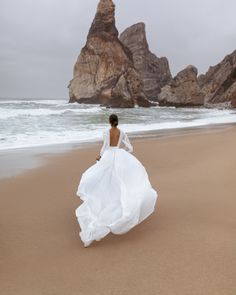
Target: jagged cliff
{"type": "Point", "coordinates": [104, 72]}
{"type": "Point", "coordinates": [154, 71]}
{"type": "Point", "coordinates": [219, 83]}
{"type": "Point", "coordinates": [216, 88]}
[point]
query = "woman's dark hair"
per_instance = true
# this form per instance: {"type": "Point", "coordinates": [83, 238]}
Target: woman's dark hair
{"type": "Point", "coordinates": [113, 119]}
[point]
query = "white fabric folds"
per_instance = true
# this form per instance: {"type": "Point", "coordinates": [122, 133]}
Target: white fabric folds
{"type": "Point", "coordinates": [116, 192]}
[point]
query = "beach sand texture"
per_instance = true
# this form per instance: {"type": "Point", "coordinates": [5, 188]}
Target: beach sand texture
{"type": "Point", "coordinates": [186, 247]}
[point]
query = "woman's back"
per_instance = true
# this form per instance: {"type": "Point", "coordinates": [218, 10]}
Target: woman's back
{"type": "Point", "coordinates": [114, 134]}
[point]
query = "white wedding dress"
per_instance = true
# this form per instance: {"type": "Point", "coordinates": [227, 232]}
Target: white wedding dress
{"type": "Point", "coordinates": [116, 192]}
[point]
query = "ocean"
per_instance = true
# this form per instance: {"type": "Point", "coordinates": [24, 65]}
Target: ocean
{"type": "Point", "coordinates": [41, 122]}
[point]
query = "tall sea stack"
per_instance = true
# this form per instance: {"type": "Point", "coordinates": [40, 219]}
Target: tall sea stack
{"type": "Point", "coordinates": [154, 71]}
{"type": "Point", "coordinates": [104, 72]}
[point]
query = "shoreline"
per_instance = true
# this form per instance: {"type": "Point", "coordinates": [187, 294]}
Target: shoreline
{"type": "Point", "coordinates": [182, 246]}
{"type": "Point", "coordinates": [14, 162]}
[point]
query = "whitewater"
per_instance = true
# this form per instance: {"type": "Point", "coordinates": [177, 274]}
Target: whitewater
{"type": "Point", "coordinates": [41, 122]}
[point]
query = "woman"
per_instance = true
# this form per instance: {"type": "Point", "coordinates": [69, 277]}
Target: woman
{"type": "Point", "coordinates": [116, 191]}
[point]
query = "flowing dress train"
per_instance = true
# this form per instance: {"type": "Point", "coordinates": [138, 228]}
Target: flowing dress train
{"type": "Point", "coordinates": [116, 192]}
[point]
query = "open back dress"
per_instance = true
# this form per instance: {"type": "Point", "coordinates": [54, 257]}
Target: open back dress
{"type": "Point", "coordinates": [116, 192]}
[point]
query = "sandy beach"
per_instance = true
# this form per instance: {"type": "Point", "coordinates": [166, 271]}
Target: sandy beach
{"type": "Point", "coordinates": [186, 247]}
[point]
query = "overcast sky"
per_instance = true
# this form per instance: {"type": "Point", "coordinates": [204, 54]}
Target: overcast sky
{"type": "Point", "coordinates": [41, 39]}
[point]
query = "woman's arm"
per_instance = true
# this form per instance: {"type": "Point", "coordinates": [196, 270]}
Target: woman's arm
{"type": "Point", "coordinates": [104, 146]}
{"type": "Point", "coordinates": [127, 143]}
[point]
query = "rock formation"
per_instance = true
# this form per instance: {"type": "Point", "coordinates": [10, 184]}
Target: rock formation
{"type": "Point", "coordinates": [104, 72]}
{"type": "Point", "coordinates": [154, 71]}
{"type": "Point", "coordinates": [182, 90]}
{"type": "Point", "coordinates": [122, 72]}
{"type": "Point", "coordinates": [217, 88]}
{"type": "Point", "coordinates": [219, 83]}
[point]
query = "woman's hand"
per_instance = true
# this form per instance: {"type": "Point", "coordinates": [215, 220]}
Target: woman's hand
{"type": "Point", "coordinates": [98, 158]}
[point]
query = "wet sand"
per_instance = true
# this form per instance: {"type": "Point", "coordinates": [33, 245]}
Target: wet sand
{"type": "Point", "coordinates": [186, 247]}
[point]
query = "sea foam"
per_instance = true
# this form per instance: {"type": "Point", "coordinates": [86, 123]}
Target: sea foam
{"type": "Point", "coordinates": [28, 123]}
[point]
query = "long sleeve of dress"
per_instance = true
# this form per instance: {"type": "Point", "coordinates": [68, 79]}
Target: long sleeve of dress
{"type": "Point", "coordinates": [126, 142]}
{"type": "Point", "coordinates": [105, 143]}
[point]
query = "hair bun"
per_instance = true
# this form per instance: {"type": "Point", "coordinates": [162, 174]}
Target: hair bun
{"type": "Point", "coordinates": [113, 119]}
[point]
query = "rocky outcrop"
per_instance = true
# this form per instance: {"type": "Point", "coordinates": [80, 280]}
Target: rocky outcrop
{"type": "Point", "coordinates": [217, 88]}
{"type": "Point", "coordinates": [122, 72]}
{"type": "Point", "coordinates": [104, 72]}
{"type": "Point", "coordinates": [154, 71]}
{"type": "Point", "coordinates": [219, 83]}
{"type": "Point", "coordinates": [182, 90]}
